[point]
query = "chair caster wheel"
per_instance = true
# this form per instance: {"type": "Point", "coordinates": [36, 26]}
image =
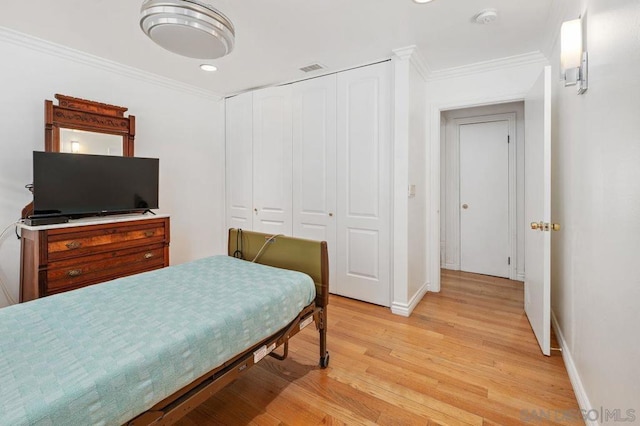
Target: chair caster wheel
{"type": "Point", "coordinates": [324, 361]}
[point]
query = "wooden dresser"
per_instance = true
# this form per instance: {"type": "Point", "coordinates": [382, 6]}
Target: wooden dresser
{"type": "Point", "coordinates": [59, 258]}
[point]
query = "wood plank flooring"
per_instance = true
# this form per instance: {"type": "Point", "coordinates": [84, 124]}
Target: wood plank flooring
{"type": "Point", "coordinates": [466, 356]}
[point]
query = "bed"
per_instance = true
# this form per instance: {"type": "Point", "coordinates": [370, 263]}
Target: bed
{"type": "Point", "coordinates": [148, 348]}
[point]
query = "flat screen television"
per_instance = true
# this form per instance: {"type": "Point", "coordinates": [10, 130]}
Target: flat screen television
{"type": "Point", "coordinates": [77, 185]}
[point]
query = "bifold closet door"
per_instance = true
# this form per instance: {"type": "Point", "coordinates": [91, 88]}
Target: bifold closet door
{"type": "Point", "coordinates": [314, 163]}
{"type": "Point", "coordinates": [364, 183]}
{"type": "Point", "coordinates": [238, 161]}
{"type": "Point", "coordinates": [272, 160]}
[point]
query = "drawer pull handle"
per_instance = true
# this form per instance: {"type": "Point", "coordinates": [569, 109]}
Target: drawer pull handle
{"type": "Point", "coordinates": [75, 272]}
{"type": "Point", "coordinates": [73, 245]}
{"type": "Point", "coordinates": [148, 255]}
{"type": "Point", "coordinates": [149, 233]}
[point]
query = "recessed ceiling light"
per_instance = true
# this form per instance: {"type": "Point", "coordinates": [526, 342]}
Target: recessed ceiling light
{"type": "Point", "coordinates": [208, 67]}
{"type": "Point", "coordinates": [422, 1]}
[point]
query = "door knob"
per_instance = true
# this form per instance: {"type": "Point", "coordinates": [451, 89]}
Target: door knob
{"type": "Point", "coordinates": [555, 226]}
{"type": "Point", "coordinates": [465, 206]}
{"type": "Point", "coordinates": [330, 214]}
{"type": "Point", "coordinates": [535, 226]}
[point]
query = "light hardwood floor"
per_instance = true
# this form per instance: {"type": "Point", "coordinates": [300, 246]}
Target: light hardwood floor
{"type": "Point", "coordinates": [467, 355]}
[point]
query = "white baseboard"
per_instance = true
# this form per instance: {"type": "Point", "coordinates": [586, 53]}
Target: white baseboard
{"type": "Point", "coordinates": [520, 276]}
{"type": "Point", "coordinates": [574, 377]}
{"type": "Point", "coordinates": [452, 266]}
{"type": "Point", "coordinates": [405, 309]}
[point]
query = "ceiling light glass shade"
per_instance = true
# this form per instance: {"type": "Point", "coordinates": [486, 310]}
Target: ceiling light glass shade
{"type": "Point", "coordinates": [187, 27]}
{"type": "Point", "coordinates": [571, 44]}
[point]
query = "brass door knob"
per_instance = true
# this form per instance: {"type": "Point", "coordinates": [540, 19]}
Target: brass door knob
{"type": "Point", "coordinates": [555, 226]}
{"type": "Point", "coordinates": [535, 226]}
{"type": "Point", "coordinates": [465, 206]}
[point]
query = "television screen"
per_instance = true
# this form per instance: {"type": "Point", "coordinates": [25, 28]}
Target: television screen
{"type": "Point", "coordinates": [81, 184]}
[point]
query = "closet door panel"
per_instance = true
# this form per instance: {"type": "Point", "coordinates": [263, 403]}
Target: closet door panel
{"type": "Point", "coordinates": [314, 163]}
{"type": "Point", "coordinates": [239, 161]}
{"type": "Point", "coordinates": [272, 157]}
{"type": "Point", "coordinates": [364, 182]}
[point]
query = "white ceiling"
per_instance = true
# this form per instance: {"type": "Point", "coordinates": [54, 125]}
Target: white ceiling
{"type": "Point", "coordinates": [275, 38]}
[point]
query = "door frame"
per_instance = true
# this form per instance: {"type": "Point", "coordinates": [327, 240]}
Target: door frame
{"type": "Point", "coordinates": [453, 186]}
{"type": "Point", "coordinates": [433, 254]}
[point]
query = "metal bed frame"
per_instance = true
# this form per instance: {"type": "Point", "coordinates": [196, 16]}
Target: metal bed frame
{"type": "Point", "coordinates": [279, 251]}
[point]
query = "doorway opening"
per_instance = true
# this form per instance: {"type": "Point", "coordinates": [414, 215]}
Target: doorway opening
{"type": "Point", "coordinates": [482, 190]}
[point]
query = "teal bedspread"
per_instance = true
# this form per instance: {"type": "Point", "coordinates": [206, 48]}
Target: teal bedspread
{"type": "Point", "coordinates": [105, 353]}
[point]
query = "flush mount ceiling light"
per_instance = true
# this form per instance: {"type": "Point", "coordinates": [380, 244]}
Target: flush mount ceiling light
{"type": "Point", "coordinates": [422, 1]}
{"type": "Point", "coordinates": [187, 27]}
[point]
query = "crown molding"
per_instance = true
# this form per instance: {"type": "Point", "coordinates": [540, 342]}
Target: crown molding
{"type": "Point", "coordinates": [412, 54]}
{"type": "Point", "coordinates": [492, 65]}
{"type": "Point", "coordinates": [53, 49]}
{"type": "Point", "coordinates": [404, 52]}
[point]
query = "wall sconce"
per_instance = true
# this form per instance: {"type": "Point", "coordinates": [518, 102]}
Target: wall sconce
{"type": "Point", "coordinates": [573, 60]}
{"type": "Point", "coordinates": [75, 147]}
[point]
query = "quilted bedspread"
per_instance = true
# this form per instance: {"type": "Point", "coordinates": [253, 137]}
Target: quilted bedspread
{"type": "Point", "coordinates": [105, 353]}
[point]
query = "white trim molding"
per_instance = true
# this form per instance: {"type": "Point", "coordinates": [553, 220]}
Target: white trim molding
{"type": "Point", "coordinates": [405, 309]}
{"type": "Point", "coordinates": [492, 65]}
{"type": "Point", "coordinates": [44, 46]}
{"type": "Point", "coordinates": [574, 377]}
{"type": "Point", "coordinates": [415, 57]}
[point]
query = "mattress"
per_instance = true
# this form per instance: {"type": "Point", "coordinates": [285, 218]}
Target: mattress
{"type": "Point", "coordinates": [105, 353]}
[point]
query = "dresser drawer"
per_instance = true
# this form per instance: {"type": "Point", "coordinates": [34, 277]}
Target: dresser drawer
{"type": "Point", "coordinates": [64, 257]}
{"type": "Point", "coordinates": [69, 274]}
{"type": "Point", "coordinates": [65, 245]}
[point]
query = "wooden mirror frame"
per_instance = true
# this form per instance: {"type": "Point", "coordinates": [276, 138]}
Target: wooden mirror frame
{"type": "Point", "coordinates": [90, 116]}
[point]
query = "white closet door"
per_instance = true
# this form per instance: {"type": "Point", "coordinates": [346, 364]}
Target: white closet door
{"type": "Point", "coordinates": [272, 135]}
{"type": "Point", "coordinates": [314, 163]}
{"type": "Point", "coordinates": [239, 164]}
{"type": "Point", "coordinates": [364, 182]}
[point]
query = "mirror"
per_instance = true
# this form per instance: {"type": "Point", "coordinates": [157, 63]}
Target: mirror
{"type": "Point", "coordinates": [87, 127]}
{"type": "Point", "coordinates": [83, 142]}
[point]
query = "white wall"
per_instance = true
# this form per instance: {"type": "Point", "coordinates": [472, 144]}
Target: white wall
{"type": "Point", "coordinates": [179, 125]}
{"type": "Point", "coordinates": [482, 84]}
{"type": "Point", "coordinates": [410, 281]}
{"type": "Point", "coordinates": [417, 205]}
{"type": "Point", "coordinates": [596, 198]}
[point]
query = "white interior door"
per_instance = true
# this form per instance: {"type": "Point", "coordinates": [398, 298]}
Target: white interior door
{"type": "Point", "coordinates": [537, 284]}
{"type": "Point", "coordinates": [238, 161]}
{"type": "Point", "coordinates": [484, 198]}
{"type": "Point", "coordinates": [272, 164]}
{"type": "Point", "coordinates": [363, 167]}
{"type": "Point", "coordinates": [314, 163]}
